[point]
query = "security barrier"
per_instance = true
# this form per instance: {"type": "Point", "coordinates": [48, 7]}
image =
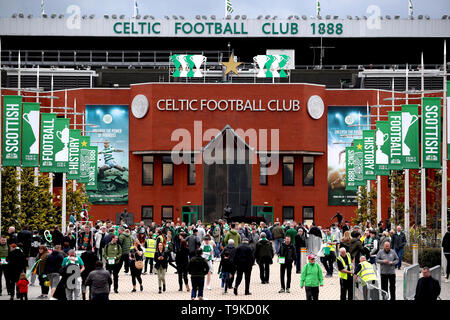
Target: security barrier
{"type": "Point", "coordinates": [313, 244]}
{"type": "Point", "coordinates": [410, 277]}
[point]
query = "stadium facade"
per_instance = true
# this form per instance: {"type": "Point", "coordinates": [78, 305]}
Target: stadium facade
{"type": "Point", "coordinates": [170, 128]}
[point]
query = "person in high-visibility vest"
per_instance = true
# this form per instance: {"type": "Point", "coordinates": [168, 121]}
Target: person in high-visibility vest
{"type": "Point", "coordinates": [330, 252]}
{"type": "Point", "coordinates": [365, 271]}
{"type": "Point", "coordinates": [149, 253]}
{"type": "Point", "coordinates": [344, 262]}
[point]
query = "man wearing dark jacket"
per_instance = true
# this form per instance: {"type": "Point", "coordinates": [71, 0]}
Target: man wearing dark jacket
{"type": "Point", "coordinates": [446, 250]}
{"type": "Point", "coordinates": [11, 236]}
{"type": "Point", "coordinates": [356, 247]}
{"type": "Point", "coordinates": [398, 243]}
{"type": "Point", "coordinates": [90, 259]}
{"type": "Point", "coordinates": [198, 268]}
{"type": "Point", "coordinates": [16, 265]}
{"type": "Point", "coordinates": [57, 236]}
{"type": "Point", "coordinates": [231, 249]}
{"type": "Point", "coordinates": [285, 258]}
{"type": "Point", "coordinates": [53, 266]}
{"type": "Point", "coordinates": [85, 239]}
{"type": "Point", "coordinates": [243, 260]}
{"type": "Point", "coordinates": [193, 243]}
{"type": "Point", "coordinates": [300, 242]}
{"type": "Point", "coordinates": [278, 235]}
{"type": "Point", "coordinates": [99, 281]}
{"type": "Point", "coordinates": [264, 255]}
{"type": "Point", "coordinates": [315, 231]}
{"type": "Point", "coordinates": [24, 237]}
{"type": "Point", "coordinates": [428, 289]}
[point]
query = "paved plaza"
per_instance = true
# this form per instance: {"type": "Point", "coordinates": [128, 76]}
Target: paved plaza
{"type": "Point", "coordinates": [330, 290]}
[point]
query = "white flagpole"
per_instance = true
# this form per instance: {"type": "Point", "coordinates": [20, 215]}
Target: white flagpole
{"type": "Point", "coordinates": [368, 181]}
{"type": "Point", "coordinates": [407, 175]}
{"type": "Point", "coordinates": [74, 186]}
{"type": "Point", "coordinates": [36, 169]}
{"type": "Point", "coordinates": [1, 168]}
{"type": "Point", "coordinates": [226, 11]}
{"type": "Point", "coordinates": [50, 174]}
{"type": "Point", "coordinates": [392, 171]}
{"type": "Point", "coordinates": [64, 181]}
{"type": "Point", "coordinates": [423, 183]}
{"type": "Point", "coordinates": [378, 177]}
{"type": "Point", "coordinates": [444, 159]}
{"type": "Point", "coordinates": [19, 92]}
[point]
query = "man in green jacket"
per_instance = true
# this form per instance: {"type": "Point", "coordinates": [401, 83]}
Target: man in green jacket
{"type": "Point", "coordinates": [4, 251]}
{"type": "Point", "coordinates": [126, 242]}
{"type": "Point", "coordinates": [233, 234]}
{"type": "Point", "coordinates": [311, 278]}
{"type": "Point", "coordinates": [112, 255]}
{"type": "Point", "coordinates": [291, 232]}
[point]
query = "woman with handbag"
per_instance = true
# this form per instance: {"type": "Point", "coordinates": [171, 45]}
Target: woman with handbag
{"type": "Point", "coordinates": [136, 256]}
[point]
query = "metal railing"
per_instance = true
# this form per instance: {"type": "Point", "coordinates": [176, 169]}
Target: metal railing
{"type": "Point", "coordinates": [411, 275]}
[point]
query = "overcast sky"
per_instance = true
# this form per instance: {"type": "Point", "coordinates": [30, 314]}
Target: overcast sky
{"type": "Point", "coordinates": [251, 8]}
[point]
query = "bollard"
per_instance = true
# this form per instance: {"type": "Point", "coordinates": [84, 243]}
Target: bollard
{"type": "Point", "coordinates": [415, 253]}
{"type": "Point", "coordinates": [303, 259]}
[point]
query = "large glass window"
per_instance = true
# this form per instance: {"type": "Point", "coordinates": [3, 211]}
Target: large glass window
{"type": "Point", "coordinates": [167, 213]}
{"type": "Point", "coordinates": [147, 170]}
{"type": "Point", "coordinates": [191, 171]}
{"type": "Point", "coordinates": [288, 170]}
{"type": "Point", "coordinates": [308, 171]}
{"type": "Point", "coordinates": [288, 213]}
{"type": "Point", "coordinates": [147, 214]}
{"type": "Point", "coordinates": [167, 170]}
{"type": "Point", "coordinates": [308, 215]}
{"type": "Point", "coordinates": [264, 164]}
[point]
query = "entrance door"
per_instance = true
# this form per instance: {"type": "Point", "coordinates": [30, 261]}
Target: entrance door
{"type": "Point", "coordinates": [264, 211]}
{"type": "Point", "coordinates": [190, 214]}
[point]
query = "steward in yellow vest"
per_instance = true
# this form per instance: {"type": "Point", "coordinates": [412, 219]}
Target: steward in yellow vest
{"type": "Point", "coordinates": [366, 271]}
{"type": "Point", "coordinates": [344, 262]}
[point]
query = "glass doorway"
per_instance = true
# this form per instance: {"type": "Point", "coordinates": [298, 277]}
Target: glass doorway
{"type": "Point", "coordinates": [264, 211]}
{"type": "Point", "coordinates": [191, 214]}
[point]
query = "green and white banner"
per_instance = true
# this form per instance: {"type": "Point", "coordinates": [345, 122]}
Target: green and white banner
{"type": "Point", "coordinates": [271, 66]}
{"type": "Point", "coordinates": [187, 65]}
{"type": "Point", "coordinates": [61, 144]}
{"type": "Point", "coordinates": [350, 169]}
{"type": "Point", "coordinates": [30, 132]}
{"type": "Point", "coordinates": [395, 137]}
{"type": "Point", "coordinates": [359, 162]}
{"type": "Point", "coordinates": [48, 136]}
{"type": "Point", "coordinates": [84, 159]}
{"type": "Point", "coordinates": [369, 155]}
{"type": "Point", "coordinates": [410, 136]}
{"type": "Point", "coordinates": [93, 158]}
{"type": "Point", "coordinates": [431, 132]}
{"type": "Point", "coordinates": [74, 154]}
{"type": "Point", "coordinates": [383, 148]}
{"type": "Point", "coordinates": [12, 130]}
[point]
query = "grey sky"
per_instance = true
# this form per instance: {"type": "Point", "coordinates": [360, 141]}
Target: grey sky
{"type": "Point", "coordinates": [251, 8]}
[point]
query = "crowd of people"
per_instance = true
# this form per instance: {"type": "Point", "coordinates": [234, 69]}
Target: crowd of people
{"type": "Point", "coordinates": [97, 252]}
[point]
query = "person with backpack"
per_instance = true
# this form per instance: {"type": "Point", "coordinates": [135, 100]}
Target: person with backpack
{"type": "Point", "coordinates": [264, 254]}
{"type": "Point", "coordinates": [125, 241]}
{"type": "Point", "coordinates": [112, 255]}
{"type": "Point", "coordinates": [311, 278]}
{"type": "Point", "coordinates": [198, 268]}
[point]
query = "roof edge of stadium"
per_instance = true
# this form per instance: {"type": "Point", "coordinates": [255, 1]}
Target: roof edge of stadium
{"type": "Point", "coordinates": [228, 83]}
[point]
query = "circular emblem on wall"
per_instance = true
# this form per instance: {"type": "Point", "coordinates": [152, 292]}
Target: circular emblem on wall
{"type": "Point", "coordinates": [107, 118]}
{"type": "Point", "coordinates": [349, 119]}
{"type": "Point", "coordinates": [315, 107]}
{"type": "Point", "coordinates": [139, 106]}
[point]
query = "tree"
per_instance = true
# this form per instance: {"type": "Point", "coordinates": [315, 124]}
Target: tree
{"type": "Point", "coordinates": [10, 200]}
{"type": "Point", "coordinates": [397, 197]}
{"type": "Point", "coordinates": [366, 201]}
{"type": "Point", "coordinates": [76, 199]}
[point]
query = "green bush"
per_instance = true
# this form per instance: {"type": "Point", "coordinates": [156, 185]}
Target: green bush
{"type": "Point", "coordinates": [429, 257]}
{"type": "Point", "coordinates": [407, 255]}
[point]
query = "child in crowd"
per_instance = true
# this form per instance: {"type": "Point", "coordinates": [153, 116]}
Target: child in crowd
{"type": "Point", "coordinates": [22, 287]}
{"type": "Point", "coordinates": [226, 271]}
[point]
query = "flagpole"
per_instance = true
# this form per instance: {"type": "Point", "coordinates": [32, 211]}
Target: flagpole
{"type": "Point", "coordinates": [1, 148]}
{"type": "Point", "coordinates": [392, 171]}
{"type": "Point", "coordinates": [423, 187]}
{"type": "Point", "coordinates": [368, 181]}
{"type": "Point", "coordinates": [36, 169]}
{"type": "Point", "coordinates": [64, 180]}
{"type": "Point", "coordinates": [50, 174]}
{"type": "Point", "coordinates": [378, 177]}
{"type": "Point", "coordinates": [407, 174]}
{"type": "Point", "coordinates": [444, 159]}
{"type": "Point", "coordinates": [74, 186]}
{"type": "Point", "coordinates": [19, 85]}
